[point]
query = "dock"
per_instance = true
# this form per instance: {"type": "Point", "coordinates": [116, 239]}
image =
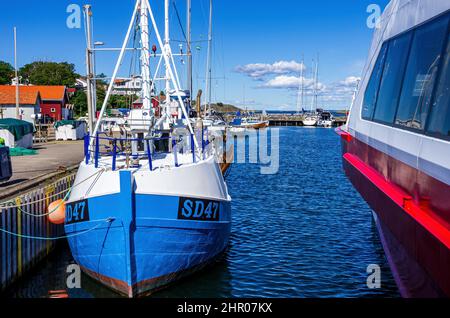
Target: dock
{"type": "Point", "coordinates": [51, 157]}
{"type": "Point", "coordinates": [26, 236]}
{"type": "Point", "coordinates": [297, 120]}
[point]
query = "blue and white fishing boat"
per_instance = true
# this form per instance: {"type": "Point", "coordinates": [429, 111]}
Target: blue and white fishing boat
{"type": "Point", "coordinates": [151, 205]}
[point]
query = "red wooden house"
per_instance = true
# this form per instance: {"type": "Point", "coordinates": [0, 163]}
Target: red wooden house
{"type": "Point", "coordinates": [54, 103]}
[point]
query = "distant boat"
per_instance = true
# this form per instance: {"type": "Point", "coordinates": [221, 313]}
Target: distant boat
{"type": "Point", "coordinates": [326, 120]}
{"type": "Point", "coordinates": [310, 120]}
{"type": "Point", "coordinates": [249, 122]}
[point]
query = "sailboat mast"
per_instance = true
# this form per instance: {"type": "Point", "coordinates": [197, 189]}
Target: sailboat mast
{"type": "Point", "coordinates": [316, 83]}
{"type": "Point", "coordinates": [208, 60]}
{"type": "Point", "coordinates": [145, 57]}
{"type": "Point", "coordinates": [303, 82]}
{"type": "Point", "coordinates": [300, 94]}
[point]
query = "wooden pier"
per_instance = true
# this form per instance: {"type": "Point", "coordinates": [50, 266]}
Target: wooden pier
{"type": "Point", "coordinates": [297, 120]}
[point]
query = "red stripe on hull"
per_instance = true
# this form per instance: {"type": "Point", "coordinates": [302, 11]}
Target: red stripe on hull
{"type": "Point", "coordinates": [419, 229]}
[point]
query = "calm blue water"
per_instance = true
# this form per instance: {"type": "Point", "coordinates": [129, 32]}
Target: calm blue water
{"type": "Point", "coordinates": [304, 232]}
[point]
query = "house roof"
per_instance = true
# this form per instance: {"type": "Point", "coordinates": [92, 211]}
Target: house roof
{"type": "Point", "coordinates": [27, 95]}
{"type": "Point", "coordinates": [51, 92]}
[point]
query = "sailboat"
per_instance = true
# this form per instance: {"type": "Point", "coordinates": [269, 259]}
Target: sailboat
{"type": "Point", "coordinates": [310, 118]}
{"type": "Point", "coordinates": [151, 206]}
{"type": "Point", "coordinates": [215, 123]}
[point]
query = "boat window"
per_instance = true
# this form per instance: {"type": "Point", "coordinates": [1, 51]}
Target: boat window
{"type": "Point", "coordinates": [394, 70]}
{"type": "Point", "coordinates": [439, 122]}
{"type": "Point", "coordinates": [370, 96]}
{"type": "Point", "coordinates": [421, 73]}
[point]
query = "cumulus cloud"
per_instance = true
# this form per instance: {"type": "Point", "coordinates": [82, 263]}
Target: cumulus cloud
{"type": "Point", "coordinates": [291, 82]}
{"type": "Point", "coordinates": [260, 70]}
{"type": "Point", "coordinates": [341, 91]}
{"type": "Point", "coordinates": [351, 81]}
{"type": "Point", "coordinates": [336, 94]}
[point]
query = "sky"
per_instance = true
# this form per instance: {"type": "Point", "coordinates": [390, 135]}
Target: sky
{"type": "Point", "coordinates": [258, 45]}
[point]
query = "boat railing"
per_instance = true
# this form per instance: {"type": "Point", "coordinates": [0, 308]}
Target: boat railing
{"type": "Point", "coordinates": [133, 150]}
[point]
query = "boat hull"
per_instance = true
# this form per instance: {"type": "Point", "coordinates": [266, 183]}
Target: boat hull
{"type": "Point", "coordinates": [309, 123]}
{"type": "Point", "coordinates": [416, 245]}
{"type": "Point", "coordinates": [137, 243]}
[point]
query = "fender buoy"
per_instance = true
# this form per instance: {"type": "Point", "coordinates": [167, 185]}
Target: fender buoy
{"type": "Point", "coordinates": [57, 212]}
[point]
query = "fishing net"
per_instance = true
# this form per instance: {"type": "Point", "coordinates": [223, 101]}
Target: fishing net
{"type": "Point", "coordinates": [20, 152]}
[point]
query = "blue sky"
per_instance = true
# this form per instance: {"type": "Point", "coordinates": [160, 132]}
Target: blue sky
{"type": "Point", "coordinates": [258, 45]}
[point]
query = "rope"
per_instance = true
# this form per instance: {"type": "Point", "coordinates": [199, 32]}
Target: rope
{"type": "Point", "coordinates": [7, 205]}
{"type": "Point", "coordinates": [49, 213]}
{"type": "Point", "coordinates": [53, 238]}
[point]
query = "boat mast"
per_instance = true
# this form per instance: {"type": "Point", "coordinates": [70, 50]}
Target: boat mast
{"type": "Point", "coordinates": [316, 82]}
{"type": "Point", "coordinates": [145, 58]}
{"type": "Point", "coordinates": [300, 94]}
{"type": "Point", "coordinates": [89, 91]}
{"type": "Point", "coordinates": [16, 75]}
{"type": "Point", "coordinates": [208, 61]}
{"type": "Point", "coordinates": [168, 60]}
{"type": "Point", "coordinates": [303, 82]}
{"type": "Point", "coordinates": [189, 49]}
{"type": "Point", "coordinates": [167, 47]}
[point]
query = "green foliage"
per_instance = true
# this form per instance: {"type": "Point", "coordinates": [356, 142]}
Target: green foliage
{"type": "Point", "coordinates": [6, 73]}
{"type": "Point", "coordinates": [49, 73]}
{"type": "Point", "coordinates": [79, 100]}
{"type": "Point", "coordinates": [119, 101]}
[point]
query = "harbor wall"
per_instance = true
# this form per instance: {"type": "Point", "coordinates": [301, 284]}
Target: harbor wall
{"type": "Point", "coordinates": [26, 236]}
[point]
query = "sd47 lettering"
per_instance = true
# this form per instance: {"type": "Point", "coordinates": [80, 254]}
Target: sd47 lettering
{"type": "Point", "coordinates": [77, 212]}
{"type": "Point", "coordinates": [198, 210]}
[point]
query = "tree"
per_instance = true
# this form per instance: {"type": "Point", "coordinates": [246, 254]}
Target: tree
{"type": "Point", "coordinates": [6, 73]}
{"type": "Point", "coordinates": [79, 101]}
{"type": "Point", "coordinates": [49, 73]}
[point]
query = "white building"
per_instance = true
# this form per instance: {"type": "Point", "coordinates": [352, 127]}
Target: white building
{"type": "Point", "coordinates": [127, 86]}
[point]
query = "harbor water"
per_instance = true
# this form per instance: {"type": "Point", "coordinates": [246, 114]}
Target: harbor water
{"type": "Point", "coordinates": [303, 232]}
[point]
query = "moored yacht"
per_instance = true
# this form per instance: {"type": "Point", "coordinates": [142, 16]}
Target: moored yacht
{"type": "Point", "coordinates": [326, 120]}
{"type": "Point", "coordinates": [396, 144]}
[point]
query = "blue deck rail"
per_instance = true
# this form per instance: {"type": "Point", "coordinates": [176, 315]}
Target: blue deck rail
{"type": "Point", "coordinates": [104, 146]}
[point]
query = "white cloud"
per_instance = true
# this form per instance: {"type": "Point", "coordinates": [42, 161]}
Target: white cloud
{"type": "Point", "coordinates": [291, 82]}
{"type": "Point", "coordinates": [259, 70]}
{"type": "Point", "coordinates": [340, 92]}
{"type": "Point", "coordinates": [350, 81]}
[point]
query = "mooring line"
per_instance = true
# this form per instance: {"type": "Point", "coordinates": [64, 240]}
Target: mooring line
{"type": "Point", "coordinates": [7, 205]}
{"type": "Point", "coordinates": [52, 238]}
{"type": "Point", "coordinates": [64, 200]}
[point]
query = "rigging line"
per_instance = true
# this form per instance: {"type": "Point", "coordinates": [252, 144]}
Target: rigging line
{"type": "Point", "coordinates": [179, 20]}
{"type": "Point", "coordinates": [5, 205]}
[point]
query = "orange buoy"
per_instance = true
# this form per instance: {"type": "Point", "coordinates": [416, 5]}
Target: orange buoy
{"type": "Point", "coordinates": [57, 212]}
